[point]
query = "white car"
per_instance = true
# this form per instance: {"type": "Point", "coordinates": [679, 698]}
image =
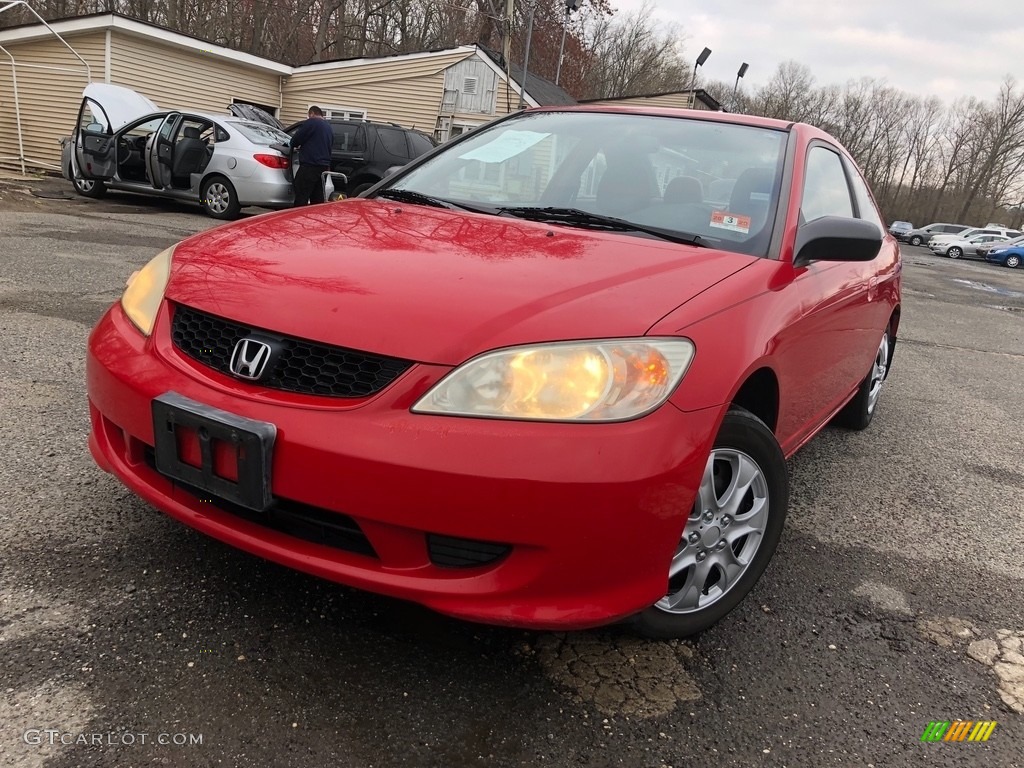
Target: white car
{"type": "Point", "coordinates": [223, 162]}
{"type": "Point", "coordinates": [973, 232]}
{"type": "Point", "coordinates": [964, 246]}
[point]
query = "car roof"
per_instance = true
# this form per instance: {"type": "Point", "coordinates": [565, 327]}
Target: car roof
{"type": "Point", "coordinates": [700, 114]}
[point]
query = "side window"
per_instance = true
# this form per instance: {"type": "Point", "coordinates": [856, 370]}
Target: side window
{"type": "Point", "coordinates": [865, 205]}
{"type": "Point", "coordinates": [194, 129]}
{"type": "Point", "coordinates": [93, 119]}
{"type": "Point", "coordinates": [420, 144]}
{"type": "Point", "coordinates": [394, 142]}
{"type": "Point", "coordinates": [346, 137]}
{"type": "Point", "coordinates": [144, 129]}
{"type": "Point", "coordinates": [826, 192]}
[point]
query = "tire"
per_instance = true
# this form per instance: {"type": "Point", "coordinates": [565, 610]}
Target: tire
{"type": "Point", "coordinates": [87, 187]}
{"type": "Point", "coordinates": [219, 199]}
{"type": "Point", "coordinates": [1012, 261]}
{"type": "Point", "coordinates": [857, 413]}
{"type": "Point", "coordinates": [362, 188]}
{"type": "Point", "coordinates": [916, 240]}
{"type": "Point", "coordinates": [955, 252]}
{"type": "Point", "coordinates": [719, 535]}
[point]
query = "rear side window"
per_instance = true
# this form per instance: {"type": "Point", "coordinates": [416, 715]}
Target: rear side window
{"type": "Point", "coordinates": [394, 141]}
{"type": "Point", "coordinates": [420, 144]}
{"type": "Point", "coordinates": [826, 192]}
{"type": "Point", "coordinates": [348, 137]}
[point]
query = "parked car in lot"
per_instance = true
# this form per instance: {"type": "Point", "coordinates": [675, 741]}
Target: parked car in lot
{"type": "Point", "coordinates": [898, 228]}
{"type": "Point", "coordinates": [123, 141]}
{"type": "Point", "coordinates": [963, 246]}
{"type": "Point", "coordinates": [971, 234]}
{"type": "Point", "coordinates": [1007, 255]}
{"type": "Point", "coordinates": [367, 151]}
{"type": "Point", "coordinates": [984, 250]}
{"type": "Point", "coordinates": [923, 235]}
{"type": "Point", "coordinates": [535, 378]}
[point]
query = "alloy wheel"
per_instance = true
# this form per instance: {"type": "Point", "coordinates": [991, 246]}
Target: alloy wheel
{"type": "Point", "coordinates": [1013, 261]}
{"type": "Point", "coordinates": [955, 253]}
{"type": "Point", "coordinates": [878, 370]}
{"type": "Point", "coordinates": [722, 534]}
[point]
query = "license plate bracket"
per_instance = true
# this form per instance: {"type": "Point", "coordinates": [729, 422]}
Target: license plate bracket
{"type": "Point", "coordinates": [253, 443]}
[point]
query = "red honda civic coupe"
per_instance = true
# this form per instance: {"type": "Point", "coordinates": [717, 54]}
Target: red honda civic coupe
{"type": "Point", "coordinates": [546, 376]}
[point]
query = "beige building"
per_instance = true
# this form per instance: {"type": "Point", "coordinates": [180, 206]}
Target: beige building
{"type": "Point", "coordinates": [442, 92]}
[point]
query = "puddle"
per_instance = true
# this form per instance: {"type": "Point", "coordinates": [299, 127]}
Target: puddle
{"type": "Point", "coordinates": [978, 286]}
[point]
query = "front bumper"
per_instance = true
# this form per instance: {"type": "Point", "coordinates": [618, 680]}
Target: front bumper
{"type": "Point", "coordinates": [592, 512]}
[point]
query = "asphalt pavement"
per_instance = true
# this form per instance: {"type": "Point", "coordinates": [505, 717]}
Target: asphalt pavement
{"type": "Point", "coordinates": [127, 639]}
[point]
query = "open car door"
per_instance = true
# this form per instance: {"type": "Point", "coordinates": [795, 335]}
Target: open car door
{"type": "Point", "coordinates": [255, 115]}
{"type": "Point", "coordinates": [95, 148]}
{"type": "Point", "coordinates": [160, 151]}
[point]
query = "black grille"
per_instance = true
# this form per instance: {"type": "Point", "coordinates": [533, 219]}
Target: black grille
{"type": "Point", "coordinates": [452, 552]}
{"type": "Point", "coordinates": [293, 518]}
{"type": "Point", "coordinates": [298, 365]}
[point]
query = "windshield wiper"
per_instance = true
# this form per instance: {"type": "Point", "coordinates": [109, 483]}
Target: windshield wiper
{"type": "Point", "coordinates": [575, 216]}
{"type": "Point", "coordinates": [418, 198]}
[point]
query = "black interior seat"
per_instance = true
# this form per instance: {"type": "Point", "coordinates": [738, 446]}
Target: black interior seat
{"type": "Point", "coordinates": [190, 155]}
{"type": "Point", "coordinates": [684, 189]}
{"type": "Point", "coordinates": [628, 183]}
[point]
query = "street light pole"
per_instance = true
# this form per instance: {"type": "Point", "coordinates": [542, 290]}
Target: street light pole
{"type": "Point", "coordinates": [735, 88]}
{"type": "Point", "coordinates": [570, 6]}
{"type": "Point", "coordinates": [693, 81]}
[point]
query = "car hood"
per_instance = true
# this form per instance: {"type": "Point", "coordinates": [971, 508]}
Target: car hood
{"type": "Point", "coordinates": [121, 105]}
{"type": "Point", "coordinates": [435, 285]}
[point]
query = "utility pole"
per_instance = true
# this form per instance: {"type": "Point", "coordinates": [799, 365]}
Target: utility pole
{"type": "Point", "coordinates": [526, 57]}
{"type": "Point", "coordinates": [506, 33]}
{"type": "Point", "coordinates": [570, 6]}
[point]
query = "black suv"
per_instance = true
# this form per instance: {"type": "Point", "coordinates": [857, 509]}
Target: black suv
{"type": "Point", "coordinates": [364, 151]}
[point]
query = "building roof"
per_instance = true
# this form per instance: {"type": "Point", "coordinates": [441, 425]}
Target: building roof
{"type": "Point", "coordinates": [712, 103]}
{"type": "Point", "coordinates": [102, 21]}
{"type": "Point", "coordinates": [544, 92]}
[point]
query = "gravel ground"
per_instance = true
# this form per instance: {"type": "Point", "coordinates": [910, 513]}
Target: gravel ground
{"type": "Point", "coordinates": [894, 599]}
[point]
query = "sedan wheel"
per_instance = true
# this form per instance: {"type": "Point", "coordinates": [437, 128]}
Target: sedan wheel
{"type": "Point", "coordinates": [219, 199]}
{"type": "Point", "coordinates": [955, 252]}
{"type": "Point", "coordinates": [915, 240]}
{"type": "Point", "coordinates": [730, 533]}
{"type": "Point", "coordinates": [858, 412]}
{"type": "Point", "coordinates": [87, 187]}
{"type": "Point", "coordinates": [1013, 261]}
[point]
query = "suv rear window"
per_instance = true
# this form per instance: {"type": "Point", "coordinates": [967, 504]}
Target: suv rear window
{"type": "Point", "coordinates": [394, 141]}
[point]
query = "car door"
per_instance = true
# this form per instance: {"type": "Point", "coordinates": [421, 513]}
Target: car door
{"type": "Point", "coordinates": [837, 316]}
{"type": "Point", "coordinates": [160, 151]}
{"type": "Point", "coordinates": [95, 145]}
{"type": "Point", "coordinates": [349, 153]}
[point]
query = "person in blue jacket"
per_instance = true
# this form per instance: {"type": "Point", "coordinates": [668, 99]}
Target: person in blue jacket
{"type": "Point", "coordinates": [315, 139]}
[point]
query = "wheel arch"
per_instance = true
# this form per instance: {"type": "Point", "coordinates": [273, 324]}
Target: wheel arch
{"type": "Point", "coordinates": [759, 394]}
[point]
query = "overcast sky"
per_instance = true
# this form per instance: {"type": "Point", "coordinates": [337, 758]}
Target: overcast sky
{"type": "Point", "coordinates": [945, 48]}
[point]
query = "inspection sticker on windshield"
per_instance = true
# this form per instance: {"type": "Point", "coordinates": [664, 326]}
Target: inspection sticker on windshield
{"type": "Point", "coordinates": [731, 221]}
{"type": "Point", "coordinates": [509, 144]}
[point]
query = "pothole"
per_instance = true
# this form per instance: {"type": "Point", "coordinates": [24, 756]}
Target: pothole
{"type": "Point", "coordinates": [1004, 654]}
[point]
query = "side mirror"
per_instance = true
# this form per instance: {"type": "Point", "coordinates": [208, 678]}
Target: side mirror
{"type": "Point", "coordinates": [836, 238]}
{"type": "Point", "coordinates": [96, 128]}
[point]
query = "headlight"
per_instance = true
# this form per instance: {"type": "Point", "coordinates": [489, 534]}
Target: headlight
{"type": "Point", "coordinates": [145, 291]}
{"type": "Point", "coordinates": [572, 381]}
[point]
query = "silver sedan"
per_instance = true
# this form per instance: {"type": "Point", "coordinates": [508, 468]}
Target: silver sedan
{"type": "Point", "coordinates": [123, 141]}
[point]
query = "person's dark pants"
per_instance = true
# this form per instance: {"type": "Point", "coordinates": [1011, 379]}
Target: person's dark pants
{"type": "Point", "coordinates": [309, 184]}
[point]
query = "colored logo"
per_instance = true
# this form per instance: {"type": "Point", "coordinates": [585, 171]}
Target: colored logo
{"type": "Point", "coordinates": [958, 730]}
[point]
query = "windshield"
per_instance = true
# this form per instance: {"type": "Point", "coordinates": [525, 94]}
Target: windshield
{"type": "Point", "coordinates": [693, 177]}
{"type": "Point", "coordinates": [260, 133]}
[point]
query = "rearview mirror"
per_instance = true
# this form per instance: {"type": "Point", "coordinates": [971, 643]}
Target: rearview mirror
{"type": "Point", "coordinates": [836, 238]}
